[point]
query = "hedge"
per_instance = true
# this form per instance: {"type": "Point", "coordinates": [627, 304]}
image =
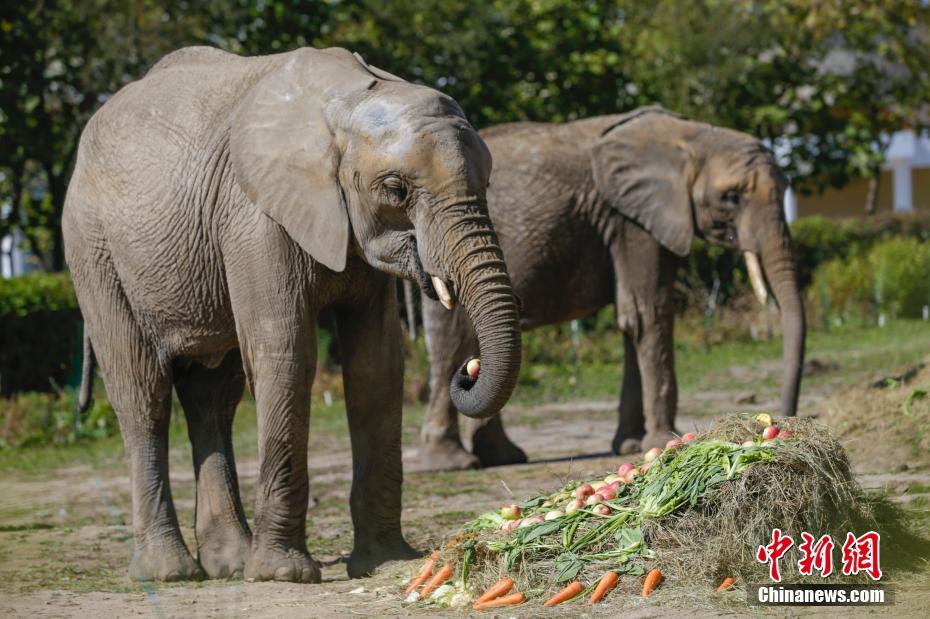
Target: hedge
{"type": "Point", "coordinates": [40, 331]}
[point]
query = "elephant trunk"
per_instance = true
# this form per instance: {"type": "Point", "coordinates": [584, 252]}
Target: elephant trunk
{"type": "Point", "coordinates": [484, 289]}
{"type": "Point", "coordinates": [781, 273]}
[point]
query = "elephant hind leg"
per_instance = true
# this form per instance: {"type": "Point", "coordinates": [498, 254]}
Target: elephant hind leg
{"type": "Point", "coordinates": [209, 398]}
{"type": "Point", "coordinates": [138, 383]}
{"type": "Point", "coordinates": [449, 339]}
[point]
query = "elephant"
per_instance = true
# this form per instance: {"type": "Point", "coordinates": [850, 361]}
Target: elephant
{"type": "Point", "coordinates": [221, 203]}
{"type": "Point", "coordinates": [600, 211]}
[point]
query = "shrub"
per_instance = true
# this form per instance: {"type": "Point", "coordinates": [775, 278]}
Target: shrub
{"type": "Point", "coordinates": [40, 330]}
{"type": "Point", "coordinates": [893, 278]}
{"type": "Point", "coordinates": [31, 419]}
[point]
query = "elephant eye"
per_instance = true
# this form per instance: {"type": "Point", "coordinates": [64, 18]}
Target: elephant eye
{"type": "Point", "coordinates": [731, 197]}
{"type": "Point", "coordinates": [396, 188]}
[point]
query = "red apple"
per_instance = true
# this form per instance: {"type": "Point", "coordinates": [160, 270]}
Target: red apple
{"type": "Point", "coordinates": [602, 510]}
{"type": "Point", "coordinates": [625, 468]}
{"type": "Point", "coordinates": [630, 475]}
{"type": "Point", "coordinates": [594, 499]}
{"type": "Point", "coordinates": [607, 494]}
{"type": "Point", "coordinates": [510, 512]}
{"type": "Point", "coordinates": [687, 437]}
{"type": "Point", "coordinates": [584, 490]}
{"type": "Point", "coordinates": [672, 444]}
{"type": "Point", "coordinates": [652, 454]}
{"type": "Point", "coordinates": [573, 506]}
{"type": "Point", "coordinates": [770, 433]}
{"type": "Point", "coordinates": [473, 368]}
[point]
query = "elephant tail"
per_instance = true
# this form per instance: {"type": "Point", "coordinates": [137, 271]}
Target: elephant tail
{"type": "Point", "coordinates": [86, 394]}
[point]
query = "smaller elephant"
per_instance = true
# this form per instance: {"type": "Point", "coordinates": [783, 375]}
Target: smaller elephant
{"type": "Point", "coordinates": [601, 211]}
{"type": "Point", "coordinates": [218, 206]}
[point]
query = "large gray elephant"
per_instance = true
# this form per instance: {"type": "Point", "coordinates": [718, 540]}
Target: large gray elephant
{"type": "Point", "coordinates": [217, 206]}
{"type": "Point", "coordinates": [600, 211]}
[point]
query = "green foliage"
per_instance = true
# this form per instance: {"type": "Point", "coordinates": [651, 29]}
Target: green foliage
{"type": "Point", "coordinates": [892, 278]}
{"type": "Point", "coordinates": [33, 419]}
{"type": "Point", "coordinates": [39, 332]}
{"type": "Point", "coordinates": [36, 292]}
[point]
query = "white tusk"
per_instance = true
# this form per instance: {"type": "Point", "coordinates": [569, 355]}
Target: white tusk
{"type": "Point", "coordinates": [755, 276]}
{"type": "Point", "coordinates": [443, 293]}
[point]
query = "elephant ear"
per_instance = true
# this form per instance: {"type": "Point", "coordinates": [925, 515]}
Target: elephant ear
{"type": "Point", "coordinates": [642, 169]}
{"type": "Point", "coordinates": [283, 152]}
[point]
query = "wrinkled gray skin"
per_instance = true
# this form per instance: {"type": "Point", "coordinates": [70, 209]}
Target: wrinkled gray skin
{"type": "Point", "coordinates": [599, 211]}
{"type": "Point", "coordinates": [217, 206]}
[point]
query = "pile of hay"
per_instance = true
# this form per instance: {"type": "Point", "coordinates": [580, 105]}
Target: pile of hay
{"type": "Point", "coordinates": [800, 484]}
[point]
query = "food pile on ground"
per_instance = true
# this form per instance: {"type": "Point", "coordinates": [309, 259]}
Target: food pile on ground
{"type": "Point", "coordinates": [693, 513]}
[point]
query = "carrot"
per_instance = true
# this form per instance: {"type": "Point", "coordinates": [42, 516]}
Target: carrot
{"type": "Point", "coordinates": [501, 587]}
{"type": "Point", "coordinates": [607, 583]}
{"type": "Point", "coordinates": [653, 578]}
{"type": "Point", "coordinates": [425, 573]}
{"type": "Point", "coordinates": [567, 593]}
{"type": "Point", "coordinates": [726, 584]}
{"type": "Point", "coordinates": [507, 600]}
{"type": "Point", "coordinates": [444, 574]}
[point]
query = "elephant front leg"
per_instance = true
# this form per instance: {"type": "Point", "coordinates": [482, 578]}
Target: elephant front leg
{"type": "Point", "coordinates": [632, 425]}
{"type": "Point", "coordinates": [373, 373]}
{"type": "Point", "coordinates": [655, 352]}
{"type": "Point", "coordinates": [281, 382]}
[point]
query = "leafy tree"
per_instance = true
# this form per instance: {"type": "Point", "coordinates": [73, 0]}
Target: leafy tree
{"type": "Point", "coordinates": [59, 60]}
{"type": "Point", "coordinates": [825, 82]}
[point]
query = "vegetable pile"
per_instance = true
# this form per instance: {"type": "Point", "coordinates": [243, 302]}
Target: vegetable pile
{"type": "Point", "coordinates": [697, 510]}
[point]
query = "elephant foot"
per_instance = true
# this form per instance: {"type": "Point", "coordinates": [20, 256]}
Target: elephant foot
{"type": "Point", "coordinates": [493, 448]}
{"type": "Point", "coordinates": [626, 443]}
{"type": "Point", "coordinates": [443, 455]}
{"type": "Point", "coordinates": [282, 564]}
{"type": "Point", "coordinates": [364, 560]}
{"type": "Point", "coordinates": [224, 556]}
{"type": "Point", "coordinates": [657, 439]}
{"type": "Point", "coordinates": [165, 563]}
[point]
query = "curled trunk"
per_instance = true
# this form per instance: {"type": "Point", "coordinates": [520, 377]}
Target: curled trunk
{"type": "Point", "coordinates": [483, 287]}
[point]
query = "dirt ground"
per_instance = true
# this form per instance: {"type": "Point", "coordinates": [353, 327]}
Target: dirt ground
{"type": "Point", "coordinates": [65, 539]}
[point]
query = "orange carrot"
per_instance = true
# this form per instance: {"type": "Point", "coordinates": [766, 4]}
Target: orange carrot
{"type": "Point", "coordinates": [507, 600]}
{"type": "Point", "coordinates": [607, 583]}
{"type": "Point", "coordinates": [444, 574]}
{"type": "Point", "coordinates": [653, 578]}
{"type": "Point", "coordinates": [425, 573]}
{"type": "Point", "coordinates": [567, 593]}
{"type": "Point", "coordinates": [726, 584]}
{"type": "Point", "coordinates": [501, 587]}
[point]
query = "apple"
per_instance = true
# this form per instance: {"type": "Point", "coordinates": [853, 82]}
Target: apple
{"type": "Point", "coordinates": [510, 512]}
{"type": "Point", "coordinates": [674, 443]}
{"type": "Point", "coordinates": [584, 491]}
{"type": "Point", "coordinates": [602, 510]}
{"type": "Point", "coordinates": [644, 468]}
{"type": "Point", "coordinates": [770, 433]}
{"type": "Point", "coordinates": [687, 437]}
{"type": "Point", "coordinates": [613, 478]}
{"type": "Point", "coordinates": [748, 443]}
{"type": "Point", "coordinates": [625, 468]}
{"type": "Point", "coordinates": [652, 454]}
{"type": "Point", "coordinates": [555, 513]}
{"type": "Point", "coordinates": [594, 499]}
{"type": "Point", "coordinates": [597, 485]}
{"type": "Point", "coordinates": [528, 522]}
{"type": "Point", "coordinates": [573, 506]}
{"type": "Point", "coordinates": [630, 475]}
{"type": "Point", "coordinates": [473, 368]}
{"type": "Point", "coordinates": [510, 525]}
{"type": "Point", "coordinates": [608, 493]}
